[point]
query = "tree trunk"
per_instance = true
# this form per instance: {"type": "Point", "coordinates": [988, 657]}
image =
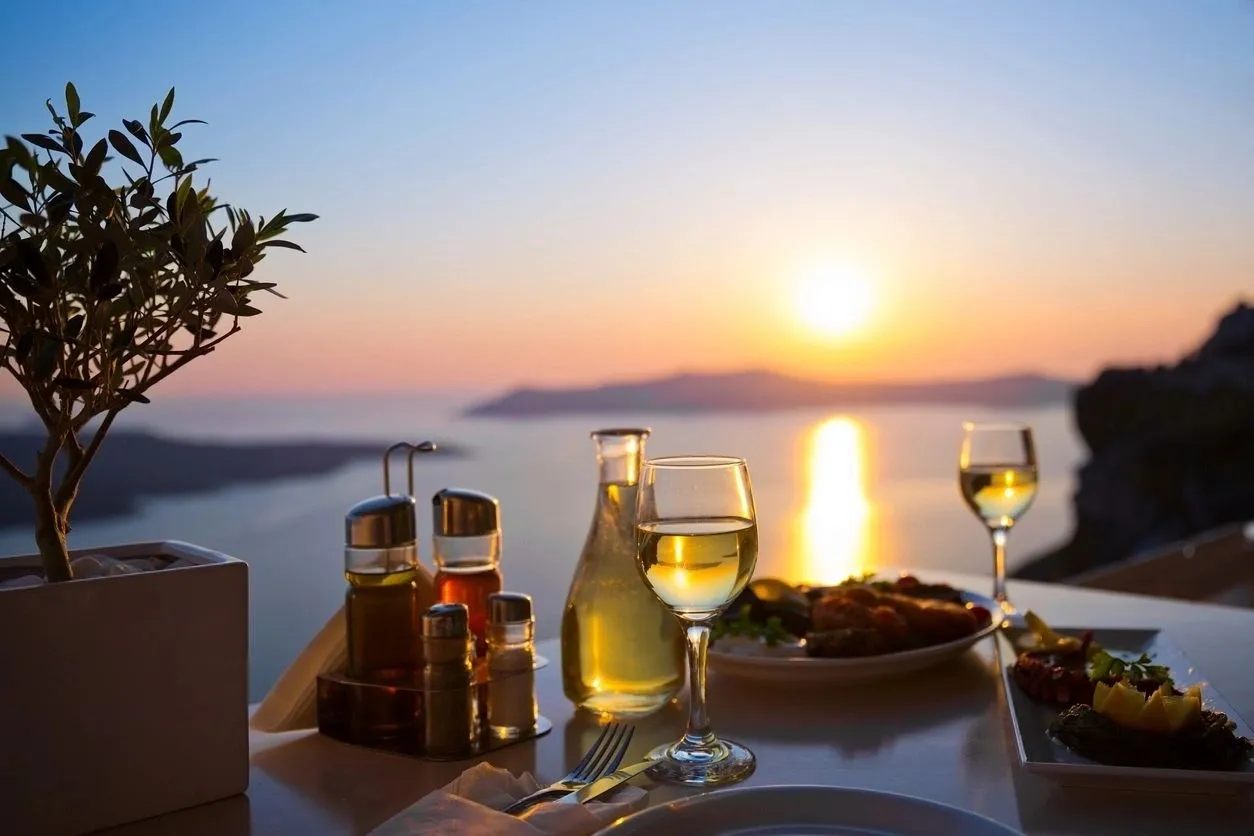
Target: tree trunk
{"type": "Point", "coordinates": [50, 536]}
{"type": "Point", "coordinates": [50, 527]}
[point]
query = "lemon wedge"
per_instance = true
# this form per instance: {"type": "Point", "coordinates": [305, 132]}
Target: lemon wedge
{"type": "Point", "coordinates": [1182, 711]}
{"type": "Point", "coordinates": [1154, 714]}
{"type": "Point", "coordinates": [1046, 638]}
{"type": "Point", "coordinates": [1162, 713]}
{"type": "Point", "coordinates": [1101, 692]}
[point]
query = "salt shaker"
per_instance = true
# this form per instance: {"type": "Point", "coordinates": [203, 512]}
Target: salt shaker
{"type": "Point", "coordinates": [450, 726]}
{"type": "Point", "coordinates": [511, 665]}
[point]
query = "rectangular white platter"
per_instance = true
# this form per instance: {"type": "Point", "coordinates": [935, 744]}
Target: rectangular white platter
{"type": "Point", "coordinates": [1041, 754]}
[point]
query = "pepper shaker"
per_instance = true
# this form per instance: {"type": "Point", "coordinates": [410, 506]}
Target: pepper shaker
{"type": "Point", "coordinates": [450, 721]}
{"type": "Point", "coordinates": [511, 665]}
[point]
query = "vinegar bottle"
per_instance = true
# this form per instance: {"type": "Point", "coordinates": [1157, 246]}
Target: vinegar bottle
{"type": "Point", "coordinates": [467, 550]}
{"type": "Point", "coordinates": [622, 649]}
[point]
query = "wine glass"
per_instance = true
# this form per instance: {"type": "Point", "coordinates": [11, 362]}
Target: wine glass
{"type": "Point", "coordinates": [697, 544]}
{"type": "Point", "coordinates": [997, 475]}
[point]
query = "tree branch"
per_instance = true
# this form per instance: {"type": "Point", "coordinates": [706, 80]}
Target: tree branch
{"type": "Point", "coordinates": [117, 404]}
{"type": "Point", "coordinates": [74, 446]}
{"type": "Point", "coordinates": [38, 404]}
{"type": "Point", "coordinates": [181, 358]}
{"type": "Point", "coordinates": [24, 479]}
{"type": "Point", "coordinates": [79, 459]}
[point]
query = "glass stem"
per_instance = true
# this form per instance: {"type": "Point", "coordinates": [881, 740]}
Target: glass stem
{"type": "Point", "coordinates": [999, 566]}
{"type": "Point", "coordinates": [698, 735]}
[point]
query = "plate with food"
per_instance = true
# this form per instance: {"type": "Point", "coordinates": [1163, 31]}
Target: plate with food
{"type": "Point", "coordinates": [863, 628]}
{"type": "Point", "coordinates": [1121, 706]}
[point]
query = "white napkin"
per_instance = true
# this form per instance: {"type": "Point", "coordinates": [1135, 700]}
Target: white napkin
{"type": "Point", "coordinates": [293, 700]}
{"type": "Point", "coordinates": [468, 807]}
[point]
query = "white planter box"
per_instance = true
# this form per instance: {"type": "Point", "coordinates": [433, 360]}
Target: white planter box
{"type": "Point", "coordinates": [122, 697]}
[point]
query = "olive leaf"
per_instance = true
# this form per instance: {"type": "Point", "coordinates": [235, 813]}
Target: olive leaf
{"type": "Point", "coordinates": [124, 146]}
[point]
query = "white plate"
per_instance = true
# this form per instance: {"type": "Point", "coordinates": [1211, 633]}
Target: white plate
{"type": "Point", "coordinates": [1040, 753]}
{"type": "Point", "coordinates": [805, 811]}
{"type": "Point", "coordinates": [788, 670]}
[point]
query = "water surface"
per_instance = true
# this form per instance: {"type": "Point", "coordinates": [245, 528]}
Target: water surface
{"type": "Point", "coordinates": [836, 492]}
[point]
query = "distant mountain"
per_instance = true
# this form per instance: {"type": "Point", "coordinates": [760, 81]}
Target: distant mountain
{"type": "Point", "coordinates": [759, 391]}
{"type": "Point", "coordinates": [133, 467]}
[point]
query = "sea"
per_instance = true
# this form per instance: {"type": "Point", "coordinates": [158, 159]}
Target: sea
{"type": "Point", "coordinates": [837, 493]}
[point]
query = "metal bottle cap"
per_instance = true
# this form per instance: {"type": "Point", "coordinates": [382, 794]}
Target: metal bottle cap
{"type": "Point", "coordinates": [384, 522]}
{"type": "Point", "coordinates": [446, 621]}
{"type": "Point", "coordinates": [457, 512]}
{"type": "Point", "coordinates": [381, 522]}
{"type": "Point", "coordinates": [509, 607]}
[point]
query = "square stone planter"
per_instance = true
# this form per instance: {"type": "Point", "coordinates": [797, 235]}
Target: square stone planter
{"type": "Point", "coordinates": [122, 697]}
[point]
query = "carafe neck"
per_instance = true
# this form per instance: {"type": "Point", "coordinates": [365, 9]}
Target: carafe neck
{"type": "Point", "coordinates": [620, 453]}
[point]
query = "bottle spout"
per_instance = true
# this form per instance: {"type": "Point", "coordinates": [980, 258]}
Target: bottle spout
{"type": "Point", "coordinates": [421, 447]}
{"type": "Point", "coordinates": [620, 452]}
{"type": "Point", "coordinates": [387, 521]}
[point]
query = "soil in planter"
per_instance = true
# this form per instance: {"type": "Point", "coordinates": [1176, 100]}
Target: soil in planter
{"type": "Point", "coordinates": [89, 566]}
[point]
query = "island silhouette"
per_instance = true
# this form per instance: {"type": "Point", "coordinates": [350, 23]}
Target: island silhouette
{"type": "Point", "coordinates": [764, 391]}
{"type": "Point", "coordinates": [134, 466]}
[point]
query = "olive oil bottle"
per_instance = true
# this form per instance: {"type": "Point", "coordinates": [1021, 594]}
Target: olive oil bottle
{"type": "Point", "coordinates": [388, 589]}
{"type": "Point", "coordinates": [622, 649]}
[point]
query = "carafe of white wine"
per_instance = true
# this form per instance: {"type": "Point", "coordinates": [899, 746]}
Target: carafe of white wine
{"type": "Point", "coordinates": [622, 649]}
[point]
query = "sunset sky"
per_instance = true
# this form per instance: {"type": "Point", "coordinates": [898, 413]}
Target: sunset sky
{"type": "Point", "coordinates": [570, 192]}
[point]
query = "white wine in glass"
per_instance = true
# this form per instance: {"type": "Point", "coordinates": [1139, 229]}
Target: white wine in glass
{"type": "Point", "coordinates": [997, 475]}
{"type": "Point", "coordinates": [697, 544]}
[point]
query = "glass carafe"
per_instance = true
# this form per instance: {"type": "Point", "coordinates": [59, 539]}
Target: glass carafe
{"type": "Point", "coordinates": [622, 650]}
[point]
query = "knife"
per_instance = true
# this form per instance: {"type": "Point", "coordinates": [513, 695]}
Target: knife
{"type": "Point", "coordinates": [603, 785]}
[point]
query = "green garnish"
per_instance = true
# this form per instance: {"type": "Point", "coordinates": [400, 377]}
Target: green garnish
{"type": "Point", "coordinates": [869, 579]}
{"type": "Point", "coordinates": [858, 580]}
{"type": "Point", "coordinates": [1140, 669]}
{"type": "Point", "coordinates": [772, 631]}
{"type": "Point", "coordinates": [1101, 663]}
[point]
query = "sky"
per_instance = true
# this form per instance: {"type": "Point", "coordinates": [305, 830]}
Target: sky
{"type": "Point", "coordinates": [558, 193]}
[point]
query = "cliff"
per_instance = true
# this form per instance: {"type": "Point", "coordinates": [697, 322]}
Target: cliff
{"type": "Point", "coordinates": [1171, 450]}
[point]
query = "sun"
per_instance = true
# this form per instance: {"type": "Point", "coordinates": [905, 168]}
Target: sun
{"type": "Point", "coordinates": [834, 301]}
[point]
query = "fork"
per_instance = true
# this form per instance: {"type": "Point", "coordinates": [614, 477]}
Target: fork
{"type": "Point", "coordinates": [602, 759]}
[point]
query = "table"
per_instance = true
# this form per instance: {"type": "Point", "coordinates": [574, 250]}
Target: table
{"type": "Point", "coordinates": [944, 736]}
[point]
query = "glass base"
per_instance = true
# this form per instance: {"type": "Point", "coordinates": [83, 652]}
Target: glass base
{"type": "Point", "coordinates": [726, 762]}
{"type": "Point", "coordinates": [624, 707]}
{"type": "Point", "coordinates": [1011, 617]}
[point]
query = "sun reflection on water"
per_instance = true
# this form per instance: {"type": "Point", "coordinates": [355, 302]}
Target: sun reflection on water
{"type": "Point", "coordinates": [834, 523]}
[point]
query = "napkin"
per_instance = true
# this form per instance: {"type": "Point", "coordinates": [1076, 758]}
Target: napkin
{"type": "Point", "coordinates": [469, 807]}
{"type": "Point", "coordinates": [293, 701]}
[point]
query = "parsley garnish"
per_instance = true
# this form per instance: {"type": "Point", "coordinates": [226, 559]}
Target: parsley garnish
{"type": "Point", "coordinates": [1103, 665]}
{"type": "Point", "coordinates": [858, 580]}
{"type": "Point", "coordinates": [772, 632]}
{"type": "Point", "coordinates": [869, 579]}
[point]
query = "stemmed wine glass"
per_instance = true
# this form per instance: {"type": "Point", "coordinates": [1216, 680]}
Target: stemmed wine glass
{"type": "Point", "coordinates": [697, 544]}
{"type": "Point", "coordinates": [997, 475]}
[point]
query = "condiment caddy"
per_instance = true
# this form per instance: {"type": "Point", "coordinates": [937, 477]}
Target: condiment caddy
{"type": "Point", "coordinates": [440, 668]}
